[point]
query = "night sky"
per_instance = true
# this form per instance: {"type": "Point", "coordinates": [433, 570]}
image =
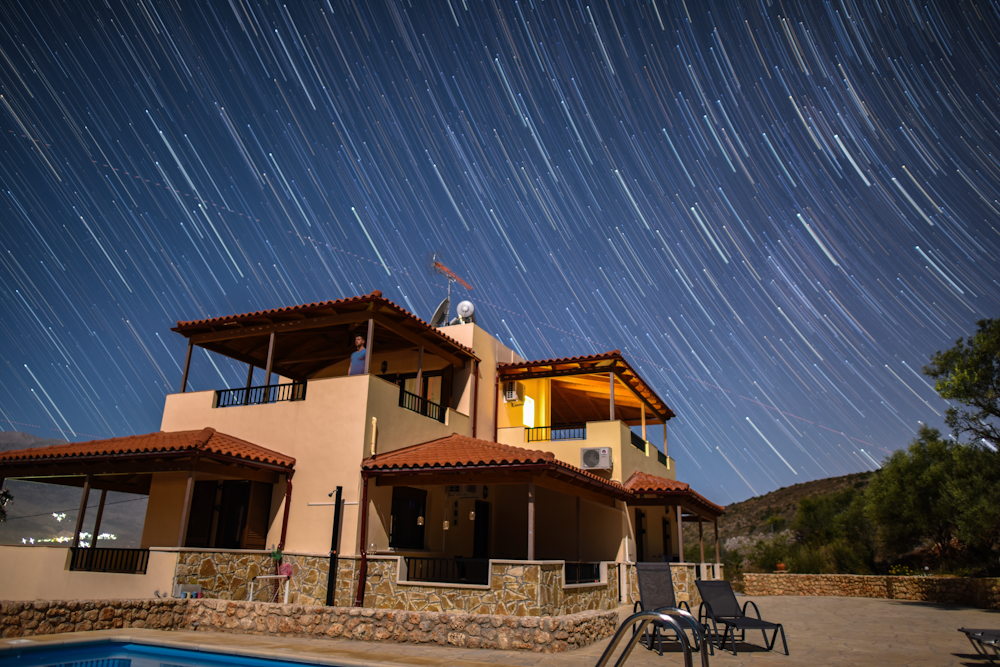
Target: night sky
{"type": "Point", "coordinates": [776, 210]}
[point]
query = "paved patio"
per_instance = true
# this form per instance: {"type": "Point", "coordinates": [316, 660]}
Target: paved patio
{"type": "Point", "coordinates": [821, 631]}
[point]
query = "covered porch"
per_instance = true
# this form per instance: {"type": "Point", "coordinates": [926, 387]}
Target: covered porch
{"type": "Point", "coordinates": [205, 489]}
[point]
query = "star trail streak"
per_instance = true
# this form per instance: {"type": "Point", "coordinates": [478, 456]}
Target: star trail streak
{"type": "Point", "coordinates": [777, 211]}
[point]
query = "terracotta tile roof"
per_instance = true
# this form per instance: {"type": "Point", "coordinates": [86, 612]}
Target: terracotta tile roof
{"type": "Point", "coordinates": [207, 440]}
{"type": "Point", "coordinates": [305, 308]}
{"type": "Point", "coordinates": [641, 482]}
{"type": "Point", "coordinates": [459, 451]}
{"type": "Point", "coordinates": [613, 354]}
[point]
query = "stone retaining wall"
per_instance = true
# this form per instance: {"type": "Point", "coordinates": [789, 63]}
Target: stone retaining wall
{"type": "Point", "coordinates": [549, 634]}
{"type": "Point", "coordinates": [981, 593]}
{"type": "Point", "coordinates": [226, 575]}
{"type": "Point", "coordinates": [684, 587]}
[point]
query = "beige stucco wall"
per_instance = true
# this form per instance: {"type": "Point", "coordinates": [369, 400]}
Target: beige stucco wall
{"type": "Point", "coordinates": [163, 511]}
{"type": "Point", "coordinates": [329, 434]}
{"type": "Point", "coordinates": [42, 573]}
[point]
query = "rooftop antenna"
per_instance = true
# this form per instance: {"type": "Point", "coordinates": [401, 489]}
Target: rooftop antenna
{"type": "Point", "coordinates": [440, 316]}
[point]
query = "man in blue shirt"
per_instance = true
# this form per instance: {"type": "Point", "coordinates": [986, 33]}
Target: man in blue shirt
{"type": "Point", "coordinates": [358, 356]}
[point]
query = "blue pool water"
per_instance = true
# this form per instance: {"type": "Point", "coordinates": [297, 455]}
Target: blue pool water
{"type": "Point", "coordinates": [129, 655]}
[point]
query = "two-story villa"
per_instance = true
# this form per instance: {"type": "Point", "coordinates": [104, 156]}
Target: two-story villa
{"type": "Point", "coordinates": [467, 477]}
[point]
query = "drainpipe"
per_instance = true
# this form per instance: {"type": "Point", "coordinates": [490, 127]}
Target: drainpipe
{"type": "Point", "coordinates": [475, 394]}
{"type": "Point", "coordinates": [288, 502]}
{"type": "Point", "coordinates": [496, 404]}
{"type": "Point", "coordinates": [359, 597]}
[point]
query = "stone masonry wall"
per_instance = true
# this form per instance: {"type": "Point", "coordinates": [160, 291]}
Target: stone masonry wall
{"type": "Point", "coordinates": [981, 593]}
{"type": "Point", "coordinates": [547, 634]}
{"type": "Point", "coordinates": [226, 575]}
{"type": "Point", "coordinates": [684, 577]}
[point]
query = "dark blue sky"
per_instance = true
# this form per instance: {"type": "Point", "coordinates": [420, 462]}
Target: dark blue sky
{"type": "Point", "coordinates": [777, 211]}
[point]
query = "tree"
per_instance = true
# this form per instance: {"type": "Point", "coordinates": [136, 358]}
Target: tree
{"type": "Point", "coordinates": [5, 498]}
{"type": "Point", "coordinates": [974, 490]}
{"type": "Point", "coordinates": [970, 374]}
{"type": "Point", "coordinates": [908, 498]}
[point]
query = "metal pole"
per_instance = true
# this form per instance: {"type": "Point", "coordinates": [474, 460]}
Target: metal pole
{"type": "Point", "coordinates": [331, 582]}
{"type": "Point", "coordinates": [186, 510]}
{"type": "Point", "coordinates": [359, 597]}
{"type": "Point", "coordinates": [100, 515]}
{"type": "Point", "coordinates": [531, 521]}
{"type": "Point", "coordinates": [187, 366]}
{"type": "Point", "coordinates": [718, 554]}
{"type": "Point", "coordinates": [701, 544]}
{"type": "Point", "coordinates": [83, 510]}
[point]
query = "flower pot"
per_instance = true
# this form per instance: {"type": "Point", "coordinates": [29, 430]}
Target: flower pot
{"type": "Point", "coordinates": [781, 567]}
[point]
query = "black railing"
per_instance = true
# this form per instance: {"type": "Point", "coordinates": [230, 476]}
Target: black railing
{"type": "Point", "coordinates": [271, 393]}
{"type": "Point", "coordinates": [449, 570]}
{"type": "Point", "coordinates": [562, 432]}
{"type": "Point", "coordinates": [421, 405]}
{"type": "Point", "coordinates": [638, 442]}
{"type": "Point", "coordinates": [583, 573]}
{"type": "Point", "coordinates": [125, 561]}
{"type": "Point", "coordinates": [661, 457]}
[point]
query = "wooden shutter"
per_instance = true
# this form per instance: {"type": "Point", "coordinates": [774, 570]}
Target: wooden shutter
{"type": "Point", "coordinates": [258, 516]}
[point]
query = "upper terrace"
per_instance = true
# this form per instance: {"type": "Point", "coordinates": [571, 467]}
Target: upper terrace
{"type": "Point", "coordinates": [315, 341]}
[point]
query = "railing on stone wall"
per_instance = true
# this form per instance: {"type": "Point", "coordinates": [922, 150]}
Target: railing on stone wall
{"type": "Point", "coordinates": [448, 570]}
{"type": "Point", "coordinates": [123, 561]}
{"type": "Point", "coordinates": [582, 573]}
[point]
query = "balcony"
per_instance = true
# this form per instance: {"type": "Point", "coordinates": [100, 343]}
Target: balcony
{"type": "Point", "coordinates": [421, 405]}
{"type": "Point", "coordinates": [272, 393]}
{"type": "Point", "coordinates": [562, 432]}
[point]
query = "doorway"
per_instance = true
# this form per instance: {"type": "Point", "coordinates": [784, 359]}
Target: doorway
{"type": "Point", "coordinates": [481, 533]}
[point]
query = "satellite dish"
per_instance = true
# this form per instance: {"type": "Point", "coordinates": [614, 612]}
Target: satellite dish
{"type": "Point", "coordinates": [440, 316]}
{"type": "Point", "coordinates": [466, 312]}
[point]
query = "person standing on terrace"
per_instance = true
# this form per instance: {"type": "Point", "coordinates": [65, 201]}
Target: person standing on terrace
{"type": "Point", "coordinates": [358, 356]}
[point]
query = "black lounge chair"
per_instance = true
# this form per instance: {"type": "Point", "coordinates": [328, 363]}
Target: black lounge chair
{"type": "Point", "coordinates": [719, 605]}
{"type": "Point", "coordinates": [656, 593]}
{"type": "Point", "coordinates": [981, 639]}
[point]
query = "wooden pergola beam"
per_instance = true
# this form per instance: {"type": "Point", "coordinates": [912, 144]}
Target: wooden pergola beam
{"type": "Point", "coordinates": [233, 332]}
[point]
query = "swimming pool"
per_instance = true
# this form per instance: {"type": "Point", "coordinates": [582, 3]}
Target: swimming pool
{"type": "Point", "coordinates": [113, 654]}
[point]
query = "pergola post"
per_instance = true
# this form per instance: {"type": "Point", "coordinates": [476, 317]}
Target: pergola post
{"type": "Point", "coordinates": [680, 535]}
{"type": "Point", "coordinates": [270, 361]}
{"type": "Point", "coordinates": [100, 515]}
{"type": "Point", "coordinates": [612, 402]}
{"type": "Point", "coordinates": [531, 521]}
{"type": "Point", "coordinates": [642, 407]}
{"type": "Point", "coordinates": [187, 366]}
{"type": "Point", "coordinates": [701, 546]}
{"type": "Point", "coordinates": [665, 452]}
{"type": "Point", "coordinates": [186, 509]}
{"type": "Point", "coordinates": [368, 344]}
{"type": "Point", "coordinates": [420, 371]}
{"type": "Point", "coordinates": [83, 509]}
{"type": "Point", "coordinates": [246, 390]}
{"type": "Point", "coordinates": [718, 554]}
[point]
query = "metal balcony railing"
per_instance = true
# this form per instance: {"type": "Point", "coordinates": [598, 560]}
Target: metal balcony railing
{"type": "Point", "coordinates": [448, 570]}
{"type": "Point", "coordinates": [271, 393]}
{"type": "Point", "coordinates": [421, 405]}
{"type": "Point", "coordinates": [638, 442]}
{"type": "Point", "coordinates": [125, 561]}
{"type": "Point", "coordinates": [661, 457]}
{"type": "Point", "coordinates": [583, 573]}
{"type": "Point", "coordinates": [561, 432]}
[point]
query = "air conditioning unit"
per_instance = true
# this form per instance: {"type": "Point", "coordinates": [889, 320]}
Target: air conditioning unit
{"type": "Point", "coordinates": [462, 491]}
{"type": "Point", "coordinates": [596, 458]}
{"type": "Point", "coordinates": [513, 392]}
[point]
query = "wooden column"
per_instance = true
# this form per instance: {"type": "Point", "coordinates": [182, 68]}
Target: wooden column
{"type": "Point", "coordinates": [701, 545]}
{"type": "Point", "coordinates": [612, 385]}
{"type": "Point", "coordinates": [100, 515]}
{"type": "Point", "coordinates": [250, 368]}
{"type": "Point", "coordinates": [531, 521]}
{"type": "Point", "coordinates": [368, 345]}
{"type": "Point", "coordinates": [665, 452]}
{"type": "Point", "coordinates": [83, 510]}
{"type": "Point", "coordinates": [187, 366]}
{"type": "Point", "coordinates": [270, 358]}
{"type": "Point", "coordinates": [420, 371]}
{"type": "Point", "coordinates": [642, 406]}
{"type": "Point", "coordinates": [186, 509]}
{"type": "Point", "coordinates": [680, 535]}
